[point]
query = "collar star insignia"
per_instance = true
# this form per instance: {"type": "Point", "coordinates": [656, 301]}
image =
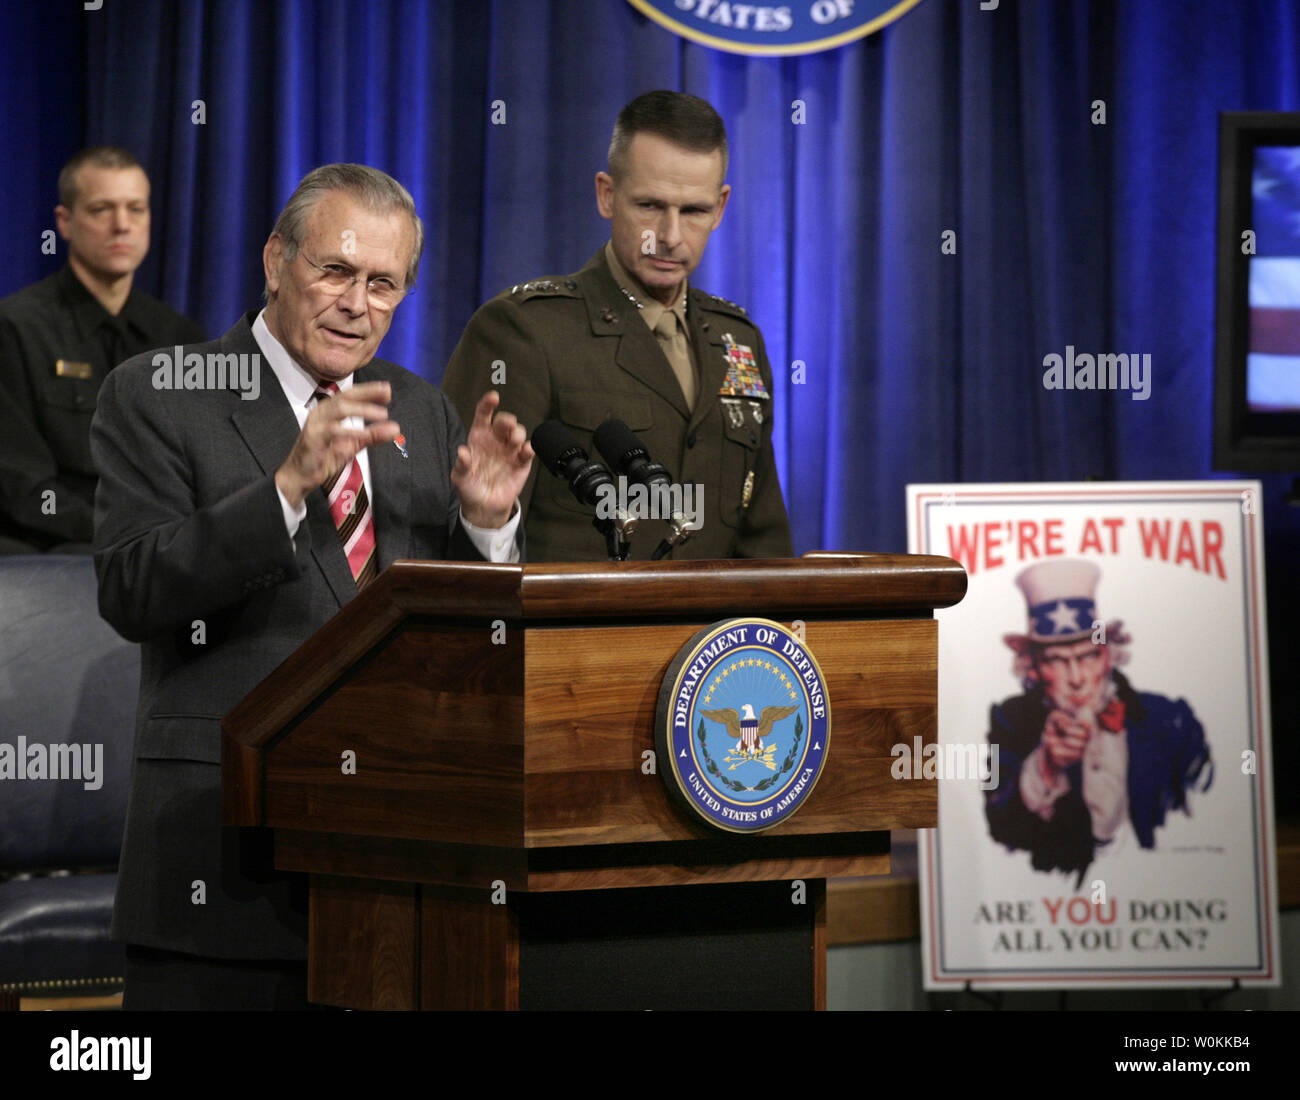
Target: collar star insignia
{"type": "Point", "coordinates": [686, 299]}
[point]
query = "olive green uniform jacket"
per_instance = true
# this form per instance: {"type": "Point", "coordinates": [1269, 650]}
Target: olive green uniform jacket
{"type": "Point", "coordinates": [572, 348]}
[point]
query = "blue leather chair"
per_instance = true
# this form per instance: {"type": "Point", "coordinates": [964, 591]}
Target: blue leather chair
{"type": "Point", "coordinates": [66, 679]}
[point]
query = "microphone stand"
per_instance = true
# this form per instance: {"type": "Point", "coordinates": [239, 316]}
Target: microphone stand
{"type": "Point", "coordinates": [618, 534]}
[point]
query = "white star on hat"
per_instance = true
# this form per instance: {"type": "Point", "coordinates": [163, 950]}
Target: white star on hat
{"type": "Point", "coordinates": [1064, 619]}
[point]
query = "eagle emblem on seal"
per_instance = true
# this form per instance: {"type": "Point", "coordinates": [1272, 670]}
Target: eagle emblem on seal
{"type": "Point", "coordinates": [749, 731]}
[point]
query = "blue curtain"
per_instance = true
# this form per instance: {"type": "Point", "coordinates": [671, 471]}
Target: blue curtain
{"type": "Point", "coordinates": [42, 123]}
{"type": "Point", "coordinates": [848, 168]}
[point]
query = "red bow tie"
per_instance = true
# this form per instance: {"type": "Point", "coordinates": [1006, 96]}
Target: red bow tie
{"type": "Point", "coordinates": [1112, 718]}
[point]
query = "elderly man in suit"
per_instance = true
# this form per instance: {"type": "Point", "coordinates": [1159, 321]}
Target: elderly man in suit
{"type": "Point", "coordinates": [249, 488]}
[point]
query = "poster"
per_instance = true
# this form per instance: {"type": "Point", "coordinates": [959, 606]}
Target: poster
{"type": "Point", "coordinates": [1105, 810]}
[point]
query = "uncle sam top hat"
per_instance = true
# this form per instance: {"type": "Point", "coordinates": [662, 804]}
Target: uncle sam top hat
{"type": "Point", "coordinates": [1062, 603]}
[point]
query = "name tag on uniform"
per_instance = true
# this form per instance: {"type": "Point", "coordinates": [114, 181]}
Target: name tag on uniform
{"type": "Point", "coordinates": [70, 368]}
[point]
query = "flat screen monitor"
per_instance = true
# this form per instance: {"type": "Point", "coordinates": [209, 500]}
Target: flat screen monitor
{"type": "Point", "coordinates": [1257, 339]}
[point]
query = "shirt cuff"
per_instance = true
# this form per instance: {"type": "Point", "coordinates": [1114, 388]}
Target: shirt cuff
{"type": "Point", "coordinates": [292, 516]}
{"type": "Point", "coordinates": [495, 543]}
{"type": "Point", "coordinates": [1035, 792]}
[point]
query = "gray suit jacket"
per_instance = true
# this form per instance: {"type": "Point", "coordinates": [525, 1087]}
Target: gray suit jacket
{"type": "Point", "coordinates": [195, 564]}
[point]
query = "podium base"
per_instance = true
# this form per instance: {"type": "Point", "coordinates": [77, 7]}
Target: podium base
{"type": "Point", "coordinates": [726, 947]}
{"type": "Point", "coordinates": [714, 947]}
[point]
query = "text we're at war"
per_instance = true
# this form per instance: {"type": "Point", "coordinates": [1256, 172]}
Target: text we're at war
{"type": "Point", "coordinates": [984, 546]}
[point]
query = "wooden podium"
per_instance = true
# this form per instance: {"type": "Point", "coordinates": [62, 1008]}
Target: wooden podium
{"type": "Point", "coordinates": [458, 759]}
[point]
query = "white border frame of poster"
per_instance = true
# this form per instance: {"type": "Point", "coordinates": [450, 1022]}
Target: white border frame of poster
{"type": "Point", "coordinates": [921, 500]}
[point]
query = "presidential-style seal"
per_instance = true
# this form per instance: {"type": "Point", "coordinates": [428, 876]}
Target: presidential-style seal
{"type": "Point", "coordinates": [743, 725]}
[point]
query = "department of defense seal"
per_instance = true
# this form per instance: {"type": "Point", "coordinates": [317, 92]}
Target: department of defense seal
{"type": "Point", "coordinates": [743, 725]}
{"type": "Point", "coordinates": [773, 30]}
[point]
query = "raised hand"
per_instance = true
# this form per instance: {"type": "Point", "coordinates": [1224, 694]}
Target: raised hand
{"type": "Point", "coordinates": [492, 465]}
{"type": "Point", "coordinates": [325, 445]}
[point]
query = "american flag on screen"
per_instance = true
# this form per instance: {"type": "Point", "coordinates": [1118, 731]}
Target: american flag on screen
{"type": "Point", "coordinates": [1273, 361]}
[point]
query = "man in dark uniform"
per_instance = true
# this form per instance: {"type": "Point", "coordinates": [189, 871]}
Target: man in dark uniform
{"type": "Point", "coordinates": [626, 337]}
{"type": "Point", "coordinates": [60, 337]}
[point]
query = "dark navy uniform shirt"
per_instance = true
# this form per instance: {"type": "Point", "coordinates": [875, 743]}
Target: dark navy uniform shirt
{"type": "Point", "coordinates": [57, 345]}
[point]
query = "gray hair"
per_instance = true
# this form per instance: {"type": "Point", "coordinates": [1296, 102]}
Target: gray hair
{"type": "Point", "coordinates": [372, 188]}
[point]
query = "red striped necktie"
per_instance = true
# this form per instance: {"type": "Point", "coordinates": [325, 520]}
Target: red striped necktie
{"type": "Point", "coordinates": [350, 507]}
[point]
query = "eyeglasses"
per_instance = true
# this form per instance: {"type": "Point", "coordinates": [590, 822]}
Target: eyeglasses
{"type": "Point", "coordinates": [338, 279]}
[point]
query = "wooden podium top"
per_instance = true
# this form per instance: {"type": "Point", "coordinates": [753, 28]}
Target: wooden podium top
{"type": "Point", "coordinates": [839, 585]}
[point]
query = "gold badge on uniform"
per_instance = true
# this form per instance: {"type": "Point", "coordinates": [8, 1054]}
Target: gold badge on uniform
{"type": "Point", "coordinates": [70, 368]}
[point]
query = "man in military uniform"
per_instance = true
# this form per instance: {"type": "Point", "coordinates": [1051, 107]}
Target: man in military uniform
{"type": "Point", "coordinates": [60, 337]}
{"type": "Point", "coordinates": [626, 337]}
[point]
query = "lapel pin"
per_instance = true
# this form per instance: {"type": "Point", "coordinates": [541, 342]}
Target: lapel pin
{"type": "Point", "coordinates": [400, 444]}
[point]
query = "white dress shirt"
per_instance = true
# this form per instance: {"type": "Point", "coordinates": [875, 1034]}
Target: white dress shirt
{"type": "Point", "coordinates": [300, 388]}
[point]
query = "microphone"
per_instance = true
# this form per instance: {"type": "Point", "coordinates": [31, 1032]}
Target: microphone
{"type": "Point", "coordinates": [590, 482]}
{"type": "Point", "coordinates": [564, 457]}
{"type": "Point", "coordinates": [628, 455]}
